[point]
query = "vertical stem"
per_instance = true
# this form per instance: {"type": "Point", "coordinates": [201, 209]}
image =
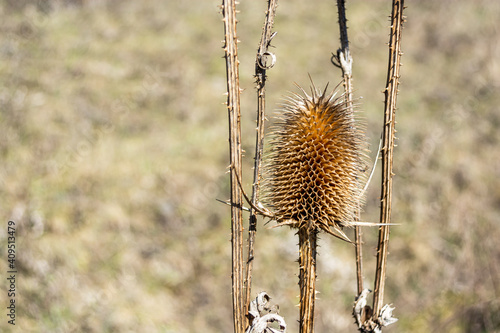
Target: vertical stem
{"type": "Point", "coordinates": [260, 77]}
{"type": "Point", "coordinates": [307, 278]}
{"type": "Point", "coordinates": [343, 54]}
{"type": "Point", "coordinates": [359, 258]}
{"type": "Point", "coordinates": [233, 106]}
{"type": "Point", "coordinates": [391, 91]}
{"type": "Point", "coordinates": [345, 61]}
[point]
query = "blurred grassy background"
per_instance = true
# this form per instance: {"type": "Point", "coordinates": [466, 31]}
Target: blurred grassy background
{"type": "Point", "coordinates": [114, 148]}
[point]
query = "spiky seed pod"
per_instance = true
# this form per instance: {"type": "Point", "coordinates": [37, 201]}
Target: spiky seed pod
{"type": "Point", "coordinates": [317, 162]}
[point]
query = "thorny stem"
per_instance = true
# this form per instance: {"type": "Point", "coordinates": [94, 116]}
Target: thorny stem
{"type": "Point", "coordinates": [390, 92]}
{"type": "Point", "coordinates": [345, 61]}
{"type": "Point", "coordinates": [358, 238]}
{"type": "Point", "coordinates": [307, 278]}
{"type": "Point", "coordinates": [233, 106]}
{"type": "Point", "coordinates": [260, 76]}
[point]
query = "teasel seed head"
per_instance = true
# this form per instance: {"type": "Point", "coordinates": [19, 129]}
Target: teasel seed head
{"type": "Point", "coordinates": [316, 165]}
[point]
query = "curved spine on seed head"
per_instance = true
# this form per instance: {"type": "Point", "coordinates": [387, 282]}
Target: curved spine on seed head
{"type": "Point", "coordinates": [316, 164]}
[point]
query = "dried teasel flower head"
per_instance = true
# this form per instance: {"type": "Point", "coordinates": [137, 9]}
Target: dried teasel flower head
{"type": "Point", "coordinates": [317, 163]}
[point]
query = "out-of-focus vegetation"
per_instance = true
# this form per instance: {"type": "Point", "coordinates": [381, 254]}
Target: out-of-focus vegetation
{"type": "Point", "coordinates": [114, 148]}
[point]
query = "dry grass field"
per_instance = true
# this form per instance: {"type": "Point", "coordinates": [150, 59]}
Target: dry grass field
{"type": "Point", "coordinates": [113, 143]}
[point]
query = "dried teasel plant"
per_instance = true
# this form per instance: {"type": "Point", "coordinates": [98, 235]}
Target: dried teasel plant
{"type": "Point", "coordinates": [369, 320]}
{"type": "Point", "coordinates": [315, 171]}
{"type": "Point", "coordinates": [317, 163]}
{"type": "Point", "coordinates": [314, 177]}
{"type": "Point", "coordinates": [241, 284]}
{"type": "Point", "coordinates": [228, 9]}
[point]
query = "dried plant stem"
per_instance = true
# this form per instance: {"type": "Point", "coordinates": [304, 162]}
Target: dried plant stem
{"type": "Point", "coordinates": [343, 55]}
{"type": "Point", "coordinates": [391, 91]}
{"type": "Point", "coordinates": [359, 257]}
{"type": "Point", "coordinates": [344, 59]}
{"type": "Point", "coordinates": [307, 278]}
{"type": "Point", "coordinates": [260, 77]}
{"type": "Point", "coordinates": [233, 106]}
{"type": "Point", "coordinates": [315, 166]}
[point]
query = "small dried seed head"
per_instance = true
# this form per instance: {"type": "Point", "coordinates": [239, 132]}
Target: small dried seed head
{"type": "Point", "coordinates": [317, 162]}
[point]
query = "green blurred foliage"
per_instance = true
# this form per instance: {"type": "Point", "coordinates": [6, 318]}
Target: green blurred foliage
{"type": "Point", "coordinates": [114, 148]}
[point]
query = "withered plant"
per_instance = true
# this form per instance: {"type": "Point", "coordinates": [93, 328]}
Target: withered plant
{"type": "Point", "coordinates": [372, 319]}
{"type": "Point", "coordinates": [314, 176]}
{"type": "Point", "coordinates": [316, 165]}
{"type": "Point", "coordinates": [235, 153]}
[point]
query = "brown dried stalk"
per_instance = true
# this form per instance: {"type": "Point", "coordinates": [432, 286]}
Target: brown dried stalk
{"type": "Point", "coordinates": [344, 61]}
{"type": "Point", "coordinates": [307, 278]}
{"type": "Point", "coordinates": [233, 106]}
{"type": "Point", "coordinates": [314, 169]}
{"type": "Point", "coordinates": [390, 92]}
{"type": "Point", "coordinates": [261, 65]}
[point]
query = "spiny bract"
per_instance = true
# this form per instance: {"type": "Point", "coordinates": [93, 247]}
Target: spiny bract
{"type": "Point", "coordinates": [316, 163]}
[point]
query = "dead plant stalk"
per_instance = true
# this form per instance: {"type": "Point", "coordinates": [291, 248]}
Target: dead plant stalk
{"type": "Point", "coordinates": [390, 92]}
{"type": "Point", "coordinates": [261, 66]}
{"type": "Point", "coordinates": [234, 113]}
{"type": "Point", "coordinates": [344, 61]}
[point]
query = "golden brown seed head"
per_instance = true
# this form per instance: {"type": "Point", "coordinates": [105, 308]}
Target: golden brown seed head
{"type": "Point", "coordinates": [316, 163]}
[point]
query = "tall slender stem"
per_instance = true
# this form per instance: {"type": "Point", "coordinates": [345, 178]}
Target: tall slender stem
{"type": "Point", "coordinates": [234, 113]}
{"type": "Point", "coordinates": [307, 278]}
{"type": "Point", "coordinates": [390, 92]}
{"type": "Point", "coordinates": [260, 77]}
{"type": "Point", "coordinates": [344, 59]}
{"type": "Point", "coordinates": [359, 257]}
